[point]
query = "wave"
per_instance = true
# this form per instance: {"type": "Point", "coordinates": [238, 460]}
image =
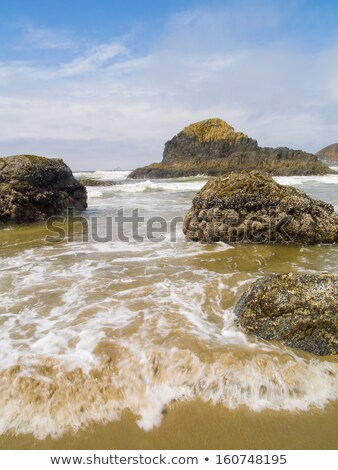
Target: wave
{"type": "Point", "coordinates": [194, 185]}
{"type": "Point", "coordinates": [146, 186]}
{"type": "Point", "coordinates": [300, 180]}
{"type": "Point", "coordinates": [86, 336]}
{"type": "Point", "coordinates": [152, 186]}
{"type": "Point", "coordinates": [51, 401]}
{"type": "Point", "coordinates": [95, 192]}
{"type": "Point", "coordinates": [115, 175]}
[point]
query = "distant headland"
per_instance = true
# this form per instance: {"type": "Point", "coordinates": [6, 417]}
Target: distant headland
{"type": "Point", "coordinates": [329, 153]}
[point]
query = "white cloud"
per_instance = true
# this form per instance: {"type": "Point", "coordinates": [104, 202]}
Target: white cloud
{"type": "Point", "coordinates": [46, 38]}
{"type": "Point", "coordinates": [92, 60]}
{"type": "Point", "coordinates": [201, 67]}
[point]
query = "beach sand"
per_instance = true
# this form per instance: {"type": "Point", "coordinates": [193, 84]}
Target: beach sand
{"type": "Point", "coordinates": [197, 425]}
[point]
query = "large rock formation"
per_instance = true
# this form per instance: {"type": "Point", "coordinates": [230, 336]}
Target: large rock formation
{"type": "Point", "coordinates": [329, 153]}
{"type": "Point", "coordinates": [301, 310]}
{"type": "Point", "coordinates": [212, 147]}
{"type": "Point", "coordinates": [253, 208]}
{"type": "Point", "coordinates": [33, 188]}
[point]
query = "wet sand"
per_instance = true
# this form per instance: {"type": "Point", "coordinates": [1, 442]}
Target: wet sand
{"type": "Point", "coordinates": [197, 425]}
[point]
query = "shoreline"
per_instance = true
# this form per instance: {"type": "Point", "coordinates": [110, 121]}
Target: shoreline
{"type": "Point", "coordinates": [202, 426]}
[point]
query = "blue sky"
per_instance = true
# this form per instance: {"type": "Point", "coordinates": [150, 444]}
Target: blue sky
{"type": "Point", "coordinates": [105, 83]}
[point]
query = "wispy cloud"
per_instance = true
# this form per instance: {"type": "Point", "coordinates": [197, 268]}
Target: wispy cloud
{"type": "Point", "coordinates": [46, 38]}
{"type": "Point", "coordinates": [203, 65]}
{"type": "Point", "coordinates": [92, 60]}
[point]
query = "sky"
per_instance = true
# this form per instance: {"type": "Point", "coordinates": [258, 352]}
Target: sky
{"type": "Point", "coordinates": [104, 84]}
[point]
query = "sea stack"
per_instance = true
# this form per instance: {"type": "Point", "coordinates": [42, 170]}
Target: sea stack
{"type": "Point", "coordinates": [329, 153]}
{"type": "Point", "coordinates": [34, 188]}
{"type": "Point", "coordinates": [212, 147]}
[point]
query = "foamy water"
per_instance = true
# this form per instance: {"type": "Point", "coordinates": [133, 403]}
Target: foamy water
{"type": "Point", "coordinates": [302, 180]}
{"type": "Point", "coordinates": [91, 329]}
{"type": "Point", "coordinates": [119, 175]}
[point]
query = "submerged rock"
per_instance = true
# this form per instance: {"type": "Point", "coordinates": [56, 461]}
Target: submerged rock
{"type": "Point", "coordinates": [329, 153]}
{"type": "Point", "coordinates": [212, 147]}
{"type": "Point", "coordinates": [301, 310]}
{"type": "Point", "coordinates": [253, 208]}
{"type": "Point", "coordinates": [93, 182]}
{"type": "Point", "coordinates": [33, 188]}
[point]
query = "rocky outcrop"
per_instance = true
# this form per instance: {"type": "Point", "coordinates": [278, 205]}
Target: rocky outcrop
{"type": "Point", "coordinates": [33, 188]}
{"type": "Point", "coordinates": [212, 147]}
{"type": "Point", "coordinates": [329, 153]}
{"type": "Point", "coordinates": [93, 182]}
{"type": "Point", "coordinates": [301, 310]}
{"type": "Point", "coordinates": [253, 208]}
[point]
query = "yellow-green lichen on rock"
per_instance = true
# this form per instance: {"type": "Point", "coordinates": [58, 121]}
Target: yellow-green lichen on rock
{"type": "Point", "coordinates": [300, 310]}
{"type": "Point", "coordinates": [211, 130]}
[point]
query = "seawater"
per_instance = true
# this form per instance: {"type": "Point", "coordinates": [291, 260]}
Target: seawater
{"type": "Point", "coordinates": [91, 331]}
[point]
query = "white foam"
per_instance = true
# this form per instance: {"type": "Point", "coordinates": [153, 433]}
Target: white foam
{"type": "Point", "coordinates": [52, 293]}
{"type": "Point", "coordinates": [186, 185]}
{"type": "Point", "coordinates": [160, 185]}
{"type": "Point", "coordinates": [147, 186]}
{"type": "Point", "coordinates": [94, 192]}
{"type": "Point", "coordinates": [146, 379]}
{"type": "Point", "coordinates": [300, 180]}
{"type": "Point", "coordinates": [114, 175]}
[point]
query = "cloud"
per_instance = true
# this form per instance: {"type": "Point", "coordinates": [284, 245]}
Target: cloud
{"type": "Point", "coordinates": [92, 60]}
{"type": "Point", "coordinates": [46, 38]}
{"type": "Point", "coordinates": [204, 64]}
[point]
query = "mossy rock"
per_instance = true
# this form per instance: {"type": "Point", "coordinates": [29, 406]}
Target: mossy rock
{"type": "Point", "coordinates": [34, 188]}
{"type": "Point", "coordinates": [250, 207]}
{"type": "Point", "coordinates": [213, 130]}
{"type": "Point", "coordinates": [300, 310]}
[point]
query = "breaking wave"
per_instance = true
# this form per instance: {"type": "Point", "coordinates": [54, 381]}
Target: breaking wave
{"type": "Point", "coordinates": [51, 401]}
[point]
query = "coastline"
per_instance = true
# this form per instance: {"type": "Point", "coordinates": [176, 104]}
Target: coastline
{"type": "Point", "coordinates": [197, 425]}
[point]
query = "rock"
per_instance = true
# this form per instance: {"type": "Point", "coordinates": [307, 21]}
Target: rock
{"type": "Point", "coordinates": [253, 208]}
{"type": "Point", "coordinates": [93, 182]}
{"type": "Point", "coordinates": [301, 310]}
{"type": "Point", "coordinates": [329, 153]}
{"type": "Point", "coordinates": [212, 147]}
{"type": "Point", "coordinates": [33, 188]}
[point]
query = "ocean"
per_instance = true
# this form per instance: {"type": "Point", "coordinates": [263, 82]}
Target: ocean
{"type": "Point", "coordinates": [120, 333]}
